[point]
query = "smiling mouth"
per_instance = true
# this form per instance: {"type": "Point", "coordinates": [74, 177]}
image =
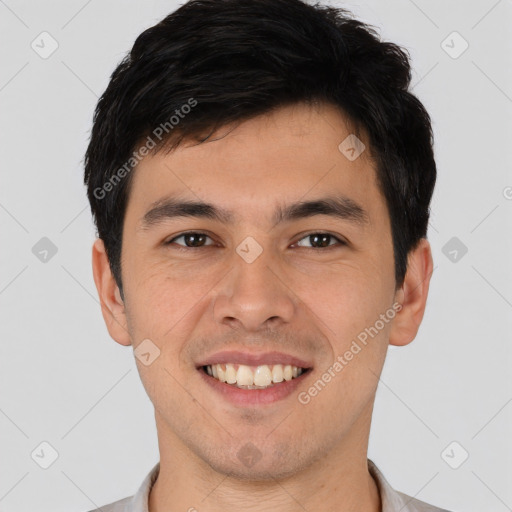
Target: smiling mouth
{"type": "Point", "coordinates": [253, 377]}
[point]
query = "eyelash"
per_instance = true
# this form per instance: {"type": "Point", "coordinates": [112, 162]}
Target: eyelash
{"type": "Point", "coordinates": [186, 248]}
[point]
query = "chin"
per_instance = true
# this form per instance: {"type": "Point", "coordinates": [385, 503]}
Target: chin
{"type": "Point", "coordinates": [247, 463]}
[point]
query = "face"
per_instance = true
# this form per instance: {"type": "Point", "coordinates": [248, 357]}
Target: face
{"type": "Point", "coordinates": [288, 261]}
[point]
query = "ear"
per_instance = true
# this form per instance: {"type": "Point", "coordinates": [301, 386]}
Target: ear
{"type": "Point", "coordinates": [412, 295]}
{"type": "Point", "coordinates": [112, 306]}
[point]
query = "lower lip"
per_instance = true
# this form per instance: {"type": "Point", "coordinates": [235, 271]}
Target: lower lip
{"type": "Point", "coordinates": [251, 397]}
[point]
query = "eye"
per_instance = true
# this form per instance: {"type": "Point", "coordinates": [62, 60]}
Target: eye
{"type": "Point", "coordinates": [320, 240]}
{"type": "Point", "coordinates": [191, 239]}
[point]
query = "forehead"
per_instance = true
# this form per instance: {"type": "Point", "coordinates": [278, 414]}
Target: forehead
{"type": "Point", "coordinates": [296, 152]}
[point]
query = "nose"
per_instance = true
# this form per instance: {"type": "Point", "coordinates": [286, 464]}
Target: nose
{"type": "Point", "coordinates": [254, 296]}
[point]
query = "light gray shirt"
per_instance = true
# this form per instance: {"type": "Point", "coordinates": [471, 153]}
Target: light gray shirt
{"type": "Point", "coordinates": [392, 501]}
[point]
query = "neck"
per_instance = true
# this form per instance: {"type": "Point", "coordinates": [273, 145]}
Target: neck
{"type": "Point", "coordinates": [338, 482]}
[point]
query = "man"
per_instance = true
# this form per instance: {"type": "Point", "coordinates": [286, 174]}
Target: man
{"type": "Point", "coordinates": [260, 178]}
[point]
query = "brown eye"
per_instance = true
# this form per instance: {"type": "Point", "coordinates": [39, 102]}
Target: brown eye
{"type": "Point", "coordinates": [192, 239]}
{"type": "Point", "coordinates": [320, 240]}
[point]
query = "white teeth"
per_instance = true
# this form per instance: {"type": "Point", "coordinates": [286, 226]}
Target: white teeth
{"type": "Point", "coordinates": [230, 374]}
{"type": "Point", "coordinates": [221, 374]}
{"type": "Point", "coordinates": [253, 378]}
{"type": "Point", "coordinates": [262, 376]}
{"type": "Point", "coordinates": [244, 376]}
{"type": "Point", "coordinates": [277, 373]}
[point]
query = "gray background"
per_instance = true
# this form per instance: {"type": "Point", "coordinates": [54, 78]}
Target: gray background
{"type": "Point", "coordinates": [64, 381]}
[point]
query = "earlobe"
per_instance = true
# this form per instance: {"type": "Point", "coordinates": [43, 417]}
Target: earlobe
{"type": "Point", "coordinates": [412, 295]}
{"type": "Point", "coordinates": [112, 305]}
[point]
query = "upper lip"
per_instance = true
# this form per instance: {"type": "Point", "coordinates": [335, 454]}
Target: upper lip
{"type": "Point", "coordinates": [254, 359]}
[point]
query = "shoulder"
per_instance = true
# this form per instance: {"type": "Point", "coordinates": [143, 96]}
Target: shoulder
{"type": "Point", "coordinates": [415, 505]}
{"type": "Point", "coordinates": [123, 505]}
{"type": "Point", "coordinates": [393, 500]}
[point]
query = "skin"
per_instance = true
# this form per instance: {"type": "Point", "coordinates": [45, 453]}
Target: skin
{"type": "Point", "coordinates": [296, 298]}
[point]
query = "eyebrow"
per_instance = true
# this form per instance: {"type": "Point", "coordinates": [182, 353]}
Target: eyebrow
{"type": "Point", "coordinates": [341, 207]}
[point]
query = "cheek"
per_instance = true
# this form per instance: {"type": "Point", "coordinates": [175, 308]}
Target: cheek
{"type": "Point", "coordinates": [164, 300]}
{"type": "Point", "coordinates": [349, 297]}
{"type": "Point", "coordinates": [359, 338]}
